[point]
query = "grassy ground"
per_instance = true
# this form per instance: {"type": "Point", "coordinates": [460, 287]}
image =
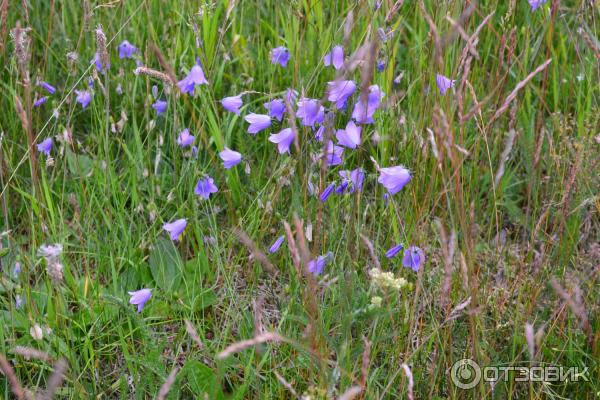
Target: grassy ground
{"type": "Point", "coordinates": [503, 201]}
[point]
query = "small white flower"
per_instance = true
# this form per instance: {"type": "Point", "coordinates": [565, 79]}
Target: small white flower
{"type": "Point", "coordinates": [36, 332]}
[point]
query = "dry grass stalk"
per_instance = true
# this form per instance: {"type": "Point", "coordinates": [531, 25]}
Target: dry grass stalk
{"type": "Point", "coordinates": [437, 43]}
{"type": "Point", "coordinates": [154, 74]}
{"type": "Point", "coordinates": [509, 99]}
{"type": "Point", "coordinates": [193, 334]}
{"type": "Point", "coordinates": [3, 25]}
{"type": "Point", "coordinates": [55, 380]}
{"type": "Point", "coordinates": [393, 10]}
{"type": "Point", "coordinates": [448, 247]}
{"type": "Point", "coordinates": [292, 246]}
{"type": "Point", "coordinates": [9, 373]}
{"type": "Point", "coordinates": [244, 344]}
{"type": "Point", "coordinates": [371, 249]}
{"type": "Point", "coordinates": [351, 393]}
{"type": "Point", "coordinates": [411, 382]}
{"type": "Point", "coordinates": [364, 370]}
{"type": "Point", "coordinates": [577, 308]}
{"type": "Point", "coordinates": [286, 384]}
{"type": "Point", "coordinates": [30, 353]}
{"type": "Point", "coordinates": [164, 64]}
{"type": "Point", "coordinates": [256, 252]}
{"type": "Point", "coordinates": [508, 145]}
{"type": "Point", "coordinates": [101, 47]}
{"type": "Point", "coordinates": [166, 387]}
{"type": "Point", "coordinates": [529, 336]}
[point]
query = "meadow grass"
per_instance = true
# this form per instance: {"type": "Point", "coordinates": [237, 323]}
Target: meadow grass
{"type": "Point", "coordinates": [503, 201]}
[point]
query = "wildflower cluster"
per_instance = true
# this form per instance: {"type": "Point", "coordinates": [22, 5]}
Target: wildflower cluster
{"type": "Point", "coordinates": [386, 281]}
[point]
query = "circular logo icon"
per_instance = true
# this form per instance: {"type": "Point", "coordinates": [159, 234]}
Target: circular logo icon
{"type": "Point", "coordinates": [465, 374]}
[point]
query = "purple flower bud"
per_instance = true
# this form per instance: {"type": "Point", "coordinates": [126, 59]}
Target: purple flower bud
{"type": "Point", "coordinates": [232, 104]}
{"type": "Point", "coordinates": [230, 158]}
{"type": "Point", "coordinates": [317, 266]}
{"type": "Point", "coordinates": [276, 108]}
{"type": "Point", "coordinates": [342, 186]}
{"type": "Point", "coordinates": [139, 298]}
{"type": "Point", "coordinates": [175, 228]}
{"type": "Point", "coordinates": [185, 139]}
{"type": "Point", "coordinates": [126, 49]}
{"type": "Point", "coordinates": [83, 97]}
{"type": "Point", "coordinates": [364, 110]}
{"type": "Point", "coordinates": [45, 146]}
{"type": "Point", "coordinates": [40, 101]}
{"type": "Point", "coordinates": [51, 89]}
{"type": "Point", "coordinates": [195, 77]}
{"type": "Point", "coordinates": [319, 133]}
{"type": "Point", "coordinates": [394, 178]}
{"type": "Point", "coordinates": [280, 55]}
{"type": "Point", "coordinates": [160, 106]}
{"type": "Point", "coordinates": [535, 4]}
{"type": "Point", "coordinates": [310, 111]}
{"type": "Point", "coordinates": [276, 245]}
{"type": "Point", "coordinates": [381, 65]}
{"type": "Point", "coordinates": [357, 177]}
{"type": "Point", "coordinates": [349, 137]}
{"type": "Point", "coordinates": [258, 122]}
{"type": "Point", "coordinates": [335, 57]}
{"type": "Point", "coordinates": [205, 187]}
{"type": "Point", "coordinates": [413, 258]}
{"type": "Point", "coordinates": [327, 192]}
{"type": "Point", "coordinates": [339, 92]}
{"type": "Point", "coordinates": [443, 83]}
{"type": "Point", "coordinates": [393, 251]}
{"type": "Point", "coordinates": [284, 139]}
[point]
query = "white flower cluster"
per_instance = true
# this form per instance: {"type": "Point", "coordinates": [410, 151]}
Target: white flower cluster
{"type": "Point", "coordinates": [386, 280]}
{"type": "Point", "coordinates": [53, 266]}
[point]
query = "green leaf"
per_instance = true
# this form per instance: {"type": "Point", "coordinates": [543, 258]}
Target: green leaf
{"type": "Point", "coordinates": [165, 265]}
{"type": "Point", "coordinates": [79, 164]}
{"type": "Point", "coordinates": [4, 251]}
{"type": "Point", "coordinates": [201, 378]}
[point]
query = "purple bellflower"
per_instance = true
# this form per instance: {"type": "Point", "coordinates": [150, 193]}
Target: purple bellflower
{"type": "Point", "coordinates": [195, 77]}
{"type": "Point", "coordinates": [339, 92]}
{"type": "Point", "coordinates": [40, 101]}
{"type": "Point", "coordinates": [535, 4]}
{"type": "Point", "coordinates": [84, 97]}
{"type": "Point", "coordinates": [280, 55]}
{"type": "Point", "coordinates": [319, 133]}
{"type": "Point", "coordinates": [185, 139]}
{"type": "Point", "coordinates": [317, 265]}
{"type": "Point", "coordinates": [99, 67]}
{"type": "Point", "coordinates": [443, 83]}
{"type": "Point", "coordinates": [413, 258]}
{"type": "Point", "coordinates": [233, 103]}
{"type": "Point", "coordinates": [276, 108]}
{"type": "Point", "coordinates": [349, 137]}
{"type": "Point", "coordinates": [230, 158]}
{"type": "Point", "coordinates": [45, 146]}
{"type": "Point", "coordinates": [393, 251]}
{"type": "Point", "coordinates": [380, 65]}
{"type": "Point", "coordinates": [364, 109]}
{"type": "Point", "coordinates": [284, 140]}
{"type": "Point", "coordinates": [327, 192]}
{"type": "Point", "coordinates": [258, 122]}
{"type": "Point", "coordinates": [140, 298]}
{"type": "Point", "coordinates": [394, 178]}
{"type": "Point", "coordinates": [51, 89]}
{"type": "Point", "coordinates": [175, 228]}
{"type": "Point", "coordinates": [277, 244]}
{"type": "Point", "coordinates": [205, 187]}
{"type": "Point", "coordinates": [356, 176]}
{"type": "Point", "coordinates": [310, 111]}
{"type": "Point", "coordinates": [335, 57]}
{"type": "Point", "coordinates": [126, 49]}
{"type": "Point", "coordinates": [160, 106]}
{"type": "Point", "coordinates": [333, 154]}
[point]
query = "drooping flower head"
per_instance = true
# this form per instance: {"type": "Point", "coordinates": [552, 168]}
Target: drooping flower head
{"type": "Point", "coordinates": [393, 251]}
{"type": "Point", "coordinates": [535, 4]}
{"type": "Point", "coordinates": [364, 109]}
{"type": "Point", "coordinates": [335, 57]}
{"type": "Point", "coordinates": [319, 133]}
{"type": "Point", "coordinates": [195, 77]}
{"type": "Point", "coordinates": [327, 192]}
{"type": "Point", "coordinates": [443, 83]}
{"type": "Point", "coordinates": [310, 111]}
{"type": "Point", "coordinates": [413, 258]}
{"type": "Point", "coordinates": [40, 101]}
{"type": "Point", "coordinates": [349, 137]}
{"type": "Point", "coordinates": [45, 146]}
{"type": "Point", "coordinates": [333, 154]}
{"type": "Point", "coordinates": [380, 65]}
{"type": "Point", "coordinates": [205, 187]}
{"type": "Point", "coordinates": [185, 139]}
{"type": "Point", "coordinates": [394, 178]}
{"type": "Point", "coordinates": [356, 177]}
{"type": "Point", "coordinates": [51, 89]}
{"type": "Point", "coordinates": [233, 103]}
{"type": "Point", "coordinates": [84, 97]}
{"type": "Point", "coordinates": [284, 140]}
{"type": "Point", "coordinates": [339, 92]}
{"type": "Point", "coordinates": [230, 158]}
{"type": "Point", "coordinates": [160, 106]}
{"type": "Point", "coordinates": [280, 55]}
{"type": "Point", "coordinates": [276, 108]}
{"type": "Point", "coordinates": [258, 122]}
{"type": "Point", "coordinates": [140, 298]}
{"type": "Point", "coordinates": [126, 50]}
{"type": "Point", "coordinates": [317, 265]}
{"type": "Point", "coordinates": [277, 244]}
{"type": "Point", "coordinates": [175, 228]}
